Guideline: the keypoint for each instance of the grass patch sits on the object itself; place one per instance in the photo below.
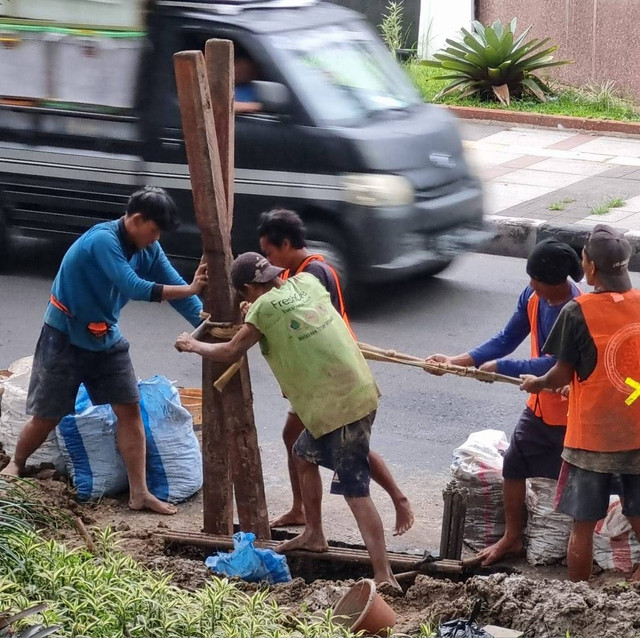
(604, 207)
(592, 101)
(561, 204)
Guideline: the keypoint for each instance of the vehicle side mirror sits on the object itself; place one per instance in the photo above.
(274, 97)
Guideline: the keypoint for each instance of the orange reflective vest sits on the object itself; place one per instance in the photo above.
(548, 406)
(604, 410)
(343, 311)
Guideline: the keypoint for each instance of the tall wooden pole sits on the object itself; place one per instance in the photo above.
(229, 439)
(246, 464)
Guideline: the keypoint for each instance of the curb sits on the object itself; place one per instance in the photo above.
(547, 121)
(516, 237)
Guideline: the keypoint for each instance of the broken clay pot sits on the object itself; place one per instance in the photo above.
(362, 608)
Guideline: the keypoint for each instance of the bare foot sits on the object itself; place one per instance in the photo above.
(389, 585)
(150, 502)
(315, 542)
(404, 516)
(292, 517)
(12, 469)
(503, 548)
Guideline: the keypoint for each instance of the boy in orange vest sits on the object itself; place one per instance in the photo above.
(536, 445)
(596, 341)
(283, 243)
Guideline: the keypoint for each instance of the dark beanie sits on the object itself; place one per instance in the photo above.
(552, 261)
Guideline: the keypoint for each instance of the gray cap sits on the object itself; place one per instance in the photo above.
(610, 251)
(252, 268)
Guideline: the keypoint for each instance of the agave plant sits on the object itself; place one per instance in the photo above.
(491, 62)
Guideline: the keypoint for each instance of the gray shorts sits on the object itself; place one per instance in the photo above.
(346, 452)
(60, 367)
(535, 449)
(584, 494)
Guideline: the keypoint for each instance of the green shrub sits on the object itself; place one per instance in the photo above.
(491, 63)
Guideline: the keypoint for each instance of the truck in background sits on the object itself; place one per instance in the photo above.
(89, 113)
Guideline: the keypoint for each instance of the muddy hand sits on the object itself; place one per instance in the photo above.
(245, 306)
(186, 343)
(530, 383)
(437, 358)
(200, 279)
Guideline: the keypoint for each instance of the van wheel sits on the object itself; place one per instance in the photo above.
(321, 242)
(438, 267)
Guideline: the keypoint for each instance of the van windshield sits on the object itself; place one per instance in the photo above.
(344, 73)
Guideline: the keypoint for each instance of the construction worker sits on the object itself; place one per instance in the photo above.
(80, 341)
(537, 441)
(596, 341)
(325, 377)
(282, 241)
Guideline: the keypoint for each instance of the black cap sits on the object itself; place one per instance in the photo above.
(610, 251)
(252, 268)
(552, 261)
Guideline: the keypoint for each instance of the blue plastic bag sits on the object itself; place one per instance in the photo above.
(249, 563)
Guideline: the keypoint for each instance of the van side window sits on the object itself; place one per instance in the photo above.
(246, 70)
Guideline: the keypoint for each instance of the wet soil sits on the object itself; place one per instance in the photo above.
(539, 601)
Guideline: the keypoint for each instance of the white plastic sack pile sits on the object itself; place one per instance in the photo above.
(174, 459)
(477, 466)
(13, 416)
(547, 531)
(615, 546)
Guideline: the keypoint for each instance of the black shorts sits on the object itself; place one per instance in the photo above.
(346, 452)
(60, 367)
(535, 449)
(584, 494)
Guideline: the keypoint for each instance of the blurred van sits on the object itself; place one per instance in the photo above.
(327, 124)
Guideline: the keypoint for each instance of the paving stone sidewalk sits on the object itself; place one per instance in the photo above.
(541, 181)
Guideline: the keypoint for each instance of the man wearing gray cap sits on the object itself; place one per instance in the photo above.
(596, 341)
(325, 377)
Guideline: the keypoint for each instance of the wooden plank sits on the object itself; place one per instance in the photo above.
(397, 560)
(210, 207)
(219, 62)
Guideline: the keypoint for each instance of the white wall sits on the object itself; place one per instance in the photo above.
(442, 19)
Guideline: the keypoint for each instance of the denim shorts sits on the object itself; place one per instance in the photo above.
(584, 494)
(60, 367)
(346, 452)
(535, 449)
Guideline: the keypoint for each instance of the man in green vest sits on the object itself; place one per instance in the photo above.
(325, 377)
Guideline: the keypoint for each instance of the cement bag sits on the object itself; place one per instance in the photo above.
(88, 443)
(174, 459)
(615, 546)
(477, 466)
(13, 416)
(547, 531)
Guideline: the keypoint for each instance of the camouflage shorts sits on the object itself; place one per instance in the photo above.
(346, 452)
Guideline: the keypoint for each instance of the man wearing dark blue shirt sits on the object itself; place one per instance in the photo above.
(81, 342)
(537, 442)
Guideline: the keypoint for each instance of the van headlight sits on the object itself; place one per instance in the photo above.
(380, 191)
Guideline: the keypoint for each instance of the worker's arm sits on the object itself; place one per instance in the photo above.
(558, 377)
(182, 291)
(229, 352)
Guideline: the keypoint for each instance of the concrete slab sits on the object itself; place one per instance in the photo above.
(528, 137)
(502, 632)
(612, 146)
(572, 166)
(501, 195)
(548, 179)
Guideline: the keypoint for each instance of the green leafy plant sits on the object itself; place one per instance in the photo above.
(561, 204)
(491, 62)
(392, 26)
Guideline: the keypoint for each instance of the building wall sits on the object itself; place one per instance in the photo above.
(601, 36)
(375, 9)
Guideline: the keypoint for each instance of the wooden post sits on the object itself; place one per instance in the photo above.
(228, 434)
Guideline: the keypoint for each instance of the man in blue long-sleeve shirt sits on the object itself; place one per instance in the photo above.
(537, 442)
(81, 342)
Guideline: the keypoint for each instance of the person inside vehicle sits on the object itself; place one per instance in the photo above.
(246, 72)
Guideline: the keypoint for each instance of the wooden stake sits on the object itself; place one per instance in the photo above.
(229, 439)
